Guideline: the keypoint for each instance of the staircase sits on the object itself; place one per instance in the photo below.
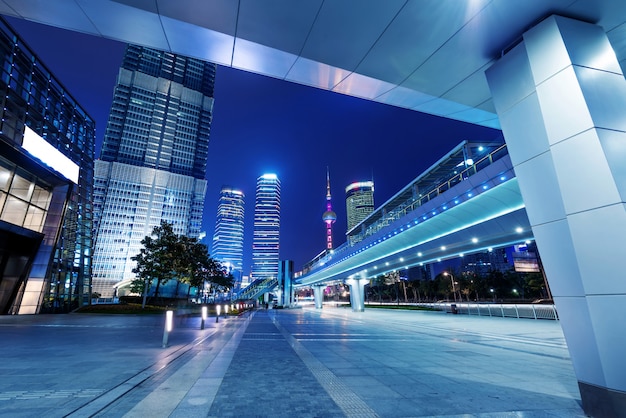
(257, 288)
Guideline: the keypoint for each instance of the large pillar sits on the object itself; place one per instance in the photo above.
(561, 99)
(285, 288)
(357, 293)
(318, 295)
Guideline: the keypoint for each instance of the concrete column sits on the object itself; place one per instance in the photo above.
(318, 295)
(561, 99)
(357, 293)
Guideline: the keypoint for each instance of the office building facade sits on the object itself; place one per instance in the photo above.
(153, 158)
(227, 244)
(359, 202)
(265, 242)
(46, 185)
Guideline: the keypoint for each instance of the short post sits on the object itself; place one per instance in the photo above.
(217, 309)
(204, 315)
(169, 320)
(225, 310)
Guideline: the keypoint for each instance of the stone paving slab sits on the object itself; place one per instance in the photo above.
(286, 363)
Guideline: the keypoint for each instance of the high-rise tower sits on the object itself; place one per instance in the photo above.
(359, 202)
(227, 245)
(329, 217)
(153, 158)
(265, 243)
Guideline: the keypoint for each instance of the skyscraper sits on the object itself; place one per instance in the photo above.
(153, 158)
(359, 202)
(46, 185)
(329, 217)
(265, 242)
(227, 245)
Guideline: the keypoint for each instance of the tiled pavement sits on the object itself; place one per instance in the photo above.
(286, 363)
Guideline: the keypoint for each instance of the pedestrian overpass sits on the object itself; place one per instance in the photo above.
(460, 205)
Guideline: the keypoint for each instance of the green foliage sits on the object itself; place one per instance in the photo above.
(166, 256)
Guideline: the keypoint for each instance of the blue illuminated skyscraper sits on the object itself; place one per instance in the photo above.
(227, 245)
(153, 158)
(265, 243)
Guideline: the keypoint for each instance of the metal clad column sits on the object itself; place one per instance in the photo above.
(561, 99)
(318, 295)
(357, 293)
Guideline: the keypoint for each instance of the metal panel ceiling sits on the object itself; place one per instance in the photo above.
(345, 31)
(258, 21)
(426, 55)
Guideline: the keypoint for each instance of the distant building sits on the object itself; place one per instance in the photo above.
(484, 262)
(265, 242)
(153, 158)
(46, 185)
(359, 202)
(227, 244)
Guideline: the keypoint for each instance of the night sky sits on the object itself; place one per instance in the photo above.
(262, 125)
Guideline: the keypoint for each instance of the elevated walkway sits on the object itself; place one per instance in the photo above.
(257, 288)
(454, 208)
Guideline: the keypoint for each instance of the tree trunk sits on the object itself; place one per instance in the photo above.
(146, 287)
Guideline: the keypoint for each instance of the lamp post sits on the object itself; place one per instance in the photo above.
(452, 281)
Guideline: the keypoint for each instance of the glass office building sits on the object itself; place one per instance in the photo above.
(359, 202)
(153, 160)
(265, 242)
(46, 185)
(227, 244)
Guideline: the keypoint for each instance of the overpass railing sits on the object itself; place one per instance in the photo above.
(504, 310)
(256, 288)
(413, 203)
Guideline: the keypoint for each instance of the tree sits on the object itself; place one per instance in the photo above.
(156, 260)
(198, 268)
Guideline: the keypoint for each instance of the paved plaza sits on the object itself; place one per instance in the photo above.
(286, 363)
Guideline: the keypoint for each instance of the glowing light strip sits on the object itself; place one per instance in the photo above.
(50, 156)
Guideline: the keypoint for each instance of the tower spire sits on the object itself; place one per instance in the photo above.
(329, 217)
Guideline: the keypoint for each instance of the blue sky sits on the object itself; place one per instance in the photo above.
(263, 125)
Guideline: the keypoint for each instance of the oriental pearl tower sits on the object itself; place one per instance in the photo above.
(329, 217)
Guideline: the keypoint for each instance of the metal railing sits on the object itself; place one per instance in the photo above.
(104, 301)
(257, 287)
(414, 203)
(503, 310)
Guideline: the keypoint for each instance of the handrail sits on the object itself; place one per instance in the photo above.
(249, 291)
(502, 310)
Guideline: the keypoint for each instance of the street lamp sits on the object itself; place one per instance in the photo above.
(451, 280)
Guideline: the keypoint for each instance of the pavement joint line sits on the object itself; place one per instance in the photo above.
(448, 331)
(222, 361)
(105, 399)
(348, 401)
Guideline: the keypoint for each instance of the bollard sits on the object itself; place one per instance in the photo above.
(217, 317)
(169, 319)
(204, 315)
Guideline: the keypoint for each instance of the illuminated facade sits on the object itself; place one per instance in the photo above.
(153, 158)
(46, 185)
(227, 245)
(265, 243)
(359, 202)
